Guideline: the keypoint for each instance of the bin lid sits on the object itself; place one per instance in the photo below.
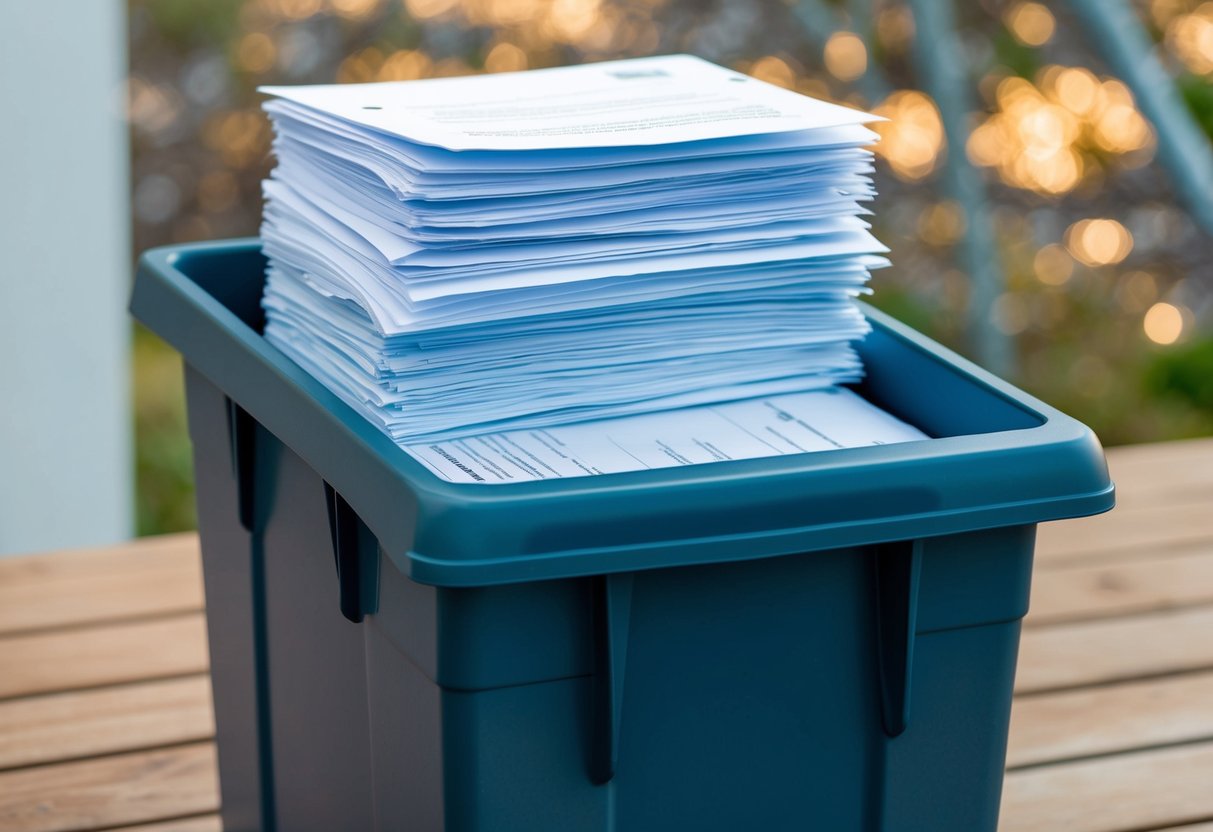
(999, 457)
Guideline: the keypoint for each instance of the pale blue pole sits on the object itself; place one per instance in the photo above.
(1183, 149)
(941, 64)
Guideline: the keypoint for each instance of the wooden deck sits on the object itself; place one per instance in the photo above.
(105, 717)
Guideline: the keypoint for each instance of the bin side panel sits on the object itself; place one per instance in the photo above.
(407, 616)
(945, 772)
(751, 697)
(517, 761)
(975, 578)
(316, 658)
(514, 634)
(232, 608)
(487, 637)
(406, 738)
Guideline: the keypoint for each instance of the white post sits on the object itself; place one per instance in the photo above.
(65, 429)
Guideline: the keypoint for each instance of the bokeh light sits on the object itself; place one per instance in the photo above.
(846, 58)
(1191, 38)
(257, 52)
(425, 9)
(1032, 24)
(942, 224)
(1163, 323)
(1099, 242)
(774, 70)
(1053, 265)
(505, 57)
(912, 138)
(1050, 136)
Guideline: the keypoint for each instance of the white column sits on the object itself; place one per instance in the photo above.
(65, 428)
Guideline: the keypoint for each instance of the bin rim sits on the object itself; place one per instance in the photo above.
(439, 532)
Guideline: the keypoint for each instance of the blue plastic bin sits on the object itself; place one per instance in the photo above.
(824, 641)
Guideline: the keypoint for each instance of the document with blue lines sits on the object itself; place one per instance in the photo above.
(816, 421)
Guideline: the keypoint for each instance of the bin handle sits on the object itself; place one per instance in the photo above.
(357, 568)
(897, 569)
(241, 436)
(612, 613)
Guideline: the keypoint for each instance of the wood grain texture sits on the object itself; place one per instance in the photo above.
(1111, 718)
(60, 660)
(110, 791)
(1135, 791)
(1164, 472)
(66, 726)
(1126, 533)
(206, 823)
(1108, 650)
(147, 577)
(1084, 591)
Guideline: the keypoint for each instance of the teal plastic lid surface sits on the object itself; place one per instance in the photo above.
(999, 457)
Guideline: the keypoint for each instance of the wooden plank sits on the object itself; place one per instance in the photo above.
(1093, 652)
(110, 791)
(205, 823)
(1138, 791)
(1199, 827)
(61, 660)
(147, 577)
(1125, 533)
(1078, 591)
(65, 726)
(1163, 472)
(1111, 718)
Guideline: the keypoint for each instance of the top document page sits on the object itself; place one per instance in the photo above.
(645, 101)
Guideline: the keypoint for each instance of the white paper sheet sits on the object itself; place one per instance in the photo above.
(668, 99)
(775, 426)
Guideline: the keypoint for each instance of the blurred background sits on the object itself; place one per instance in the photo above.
(1045, 176)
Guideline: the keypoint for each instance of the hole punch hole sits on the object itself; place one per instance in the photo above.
(372, 108)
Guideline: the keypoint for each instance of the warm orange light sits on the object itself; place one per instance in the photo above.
(1163, 323)
(571, 20)
(1190, 36)
(360, 67)
(846, 58)
(912, 139)
(256, 52)
(1040, 136)
(425, 9)
(1162, 11)
(942, 224)
(1076, 89)
(404, 65)
(291, 9)
(508, 12)
(505, 57)
(354, 9)
(1099, 242)
(1052, 265)
(1032, 24)
(774, 70)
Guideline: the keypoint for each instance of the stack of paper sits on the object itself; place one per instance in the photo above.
(518, 251)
